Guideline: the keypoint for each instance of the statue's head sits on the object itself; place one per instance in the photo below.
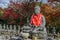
(36, 9)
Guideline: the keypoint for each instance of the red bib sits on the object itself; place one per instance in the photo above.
(36, 20)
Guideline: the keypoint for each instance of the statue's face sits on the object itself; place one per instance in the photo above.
(36, 9)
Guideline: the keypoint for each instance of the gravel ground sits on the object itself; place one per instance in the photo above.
(49, 38)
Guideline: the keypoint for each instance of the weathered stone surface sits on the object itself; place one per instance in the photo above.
(40, 31)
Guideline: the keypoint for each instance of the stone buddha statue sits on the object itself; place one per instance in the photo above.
(36, 24)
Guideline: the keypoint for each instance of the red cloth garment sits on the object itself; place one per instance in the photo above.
(36, 19)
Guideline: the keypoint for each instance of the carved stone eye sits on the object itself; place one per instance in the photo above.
(36, 0)
(31, 0)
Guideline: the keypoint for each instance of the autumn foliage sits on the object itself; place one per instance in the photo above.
(18, 13)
